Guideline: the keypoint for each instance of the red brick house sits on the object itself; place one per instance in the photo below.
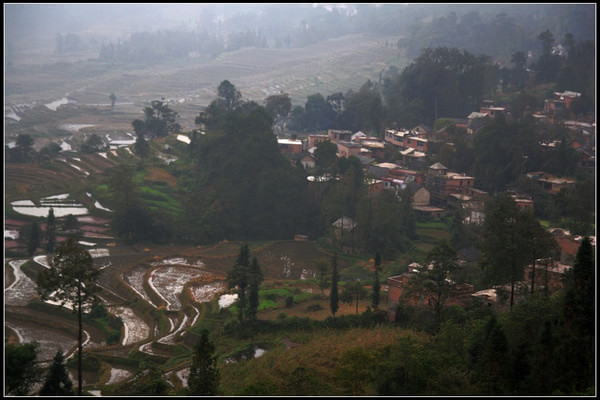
(397, 292)
(348, 149)
(337, 136)
(313, 140)
(290, 146)
(441, 184)
(548, 272)
(551, 183)
(568, 244)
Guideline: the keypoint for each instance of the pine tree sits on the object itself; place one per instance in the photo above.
(238, 278)
(57, 381)
(577, 336)
(204, 375)
(255, 277)
(34, 238)
(71, 279)
(50, 231)
(334, 296)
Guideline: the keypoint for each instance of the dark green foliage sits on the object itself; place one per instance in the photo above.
(93, 144)
(239, 278)
(241, 185)
(229, 96)
(489, 358)
(385, 224)
(356, 370)
(159, 120)
(333, 294)
(255, 277)
(57, 381)
(123, 187)
(437, 283)
(50, 231)
(506, 228)
(71, 279)
(353, 291)
(578, 330)
(325, 157)
(446, 81)
(305, 381)
(149, 381)
(405, 369)
(70, 223)
(23, 150)
(204, 374)
(363, 110)
(318, 114)
(502, 149)
(376, 283)
(49, 151)
(289, 301)
(32, 235)
(278, 105)
(21, 371)
(139, 224)
(142, 148)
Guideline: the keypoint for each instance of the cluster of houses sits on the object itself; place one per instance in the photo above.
(435, 189)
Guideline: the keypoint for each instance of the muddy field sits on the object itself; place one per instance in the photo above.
(80, 89)
(158, 276)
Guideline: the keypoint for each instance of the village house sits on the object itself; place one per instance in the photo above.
(551, 183)
(548, 275)
(380, 170)
(313, 140)
(441, 183)
(412, 158)
(288, 146)
(568, 243)
(398, 292)
(475, 122)
(492, 111)
(561, 101)
(337, 136)
(308, 161)
(374, 146)
(407, 175)
(348, 149)
(523, 201)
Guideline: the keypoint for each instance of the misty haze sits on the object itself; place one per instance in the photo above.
(310, 199)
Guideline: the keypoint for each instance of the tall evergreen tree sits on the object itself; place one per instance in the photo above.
(376, 283)
(34, 239)
(71, 279)
(204, 374)
(505, 231)
(578, 324)
(255, 277)
(238, 278)
(50, 231)
(334, 295)
(57, 381)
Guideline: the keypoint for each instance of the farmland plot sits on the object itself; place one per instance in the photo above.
(168, 282)
(135, 329)
(135, 278)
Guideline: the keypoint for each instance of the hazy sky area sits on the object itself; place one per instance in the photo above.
(274, 33)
